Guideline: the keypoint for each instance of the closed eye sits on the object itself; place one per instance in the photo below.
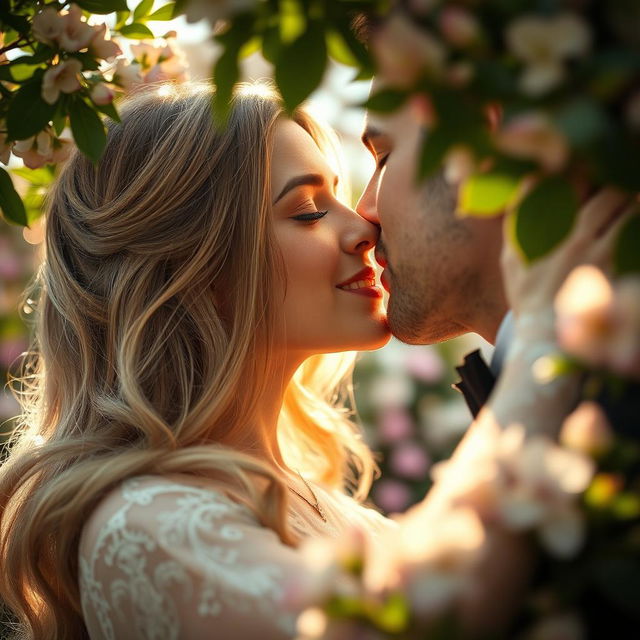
(311, 216)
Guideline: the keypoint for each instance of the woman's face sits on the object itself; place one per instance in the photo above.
(333, 301)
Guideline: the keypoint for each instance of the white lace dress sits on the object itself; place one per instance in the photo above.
(162, 559)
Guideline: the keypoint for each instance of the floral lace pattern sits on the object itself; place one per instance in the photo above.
(165, 560)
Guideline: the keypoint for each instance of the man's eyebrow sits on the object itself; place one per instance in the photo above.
(369, 134)
(312, 179)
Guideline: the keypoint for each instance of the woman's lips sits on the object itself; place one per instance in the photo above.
(370, 292)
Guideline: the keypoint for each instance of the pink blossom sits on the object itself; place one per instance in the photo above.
(532, 135)
(395, 424)
(425, 364)
(459, 26)
(35, 151)
(126, 74)
(526, 482)
(391, 495)
(48, 26)
(101, 45)
(430, 559)
(77, 33)
(587, 430)
(101, 94)
(42, 149)
(409, 460)
(404, 52)
(61, 77)
(599, 323)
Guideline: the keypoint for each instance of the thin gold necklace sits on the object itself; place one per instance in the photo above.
(316, 506)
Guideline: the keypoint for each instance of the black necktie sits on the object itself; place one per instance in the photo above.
(476, 381)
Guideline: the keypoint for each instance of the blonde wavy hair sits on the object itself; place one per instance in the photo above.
(155, 318)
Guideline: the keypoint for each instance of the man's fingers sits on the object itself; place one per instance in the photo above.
(605, 245)
(598, 213)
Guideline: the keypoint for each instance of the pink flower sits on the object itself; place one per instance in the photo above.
(61, 77)
(526, 482)
(425, 364)
(48, 26)
(430, 559)
(101, 45)
(459, 26)
(77, 34)
(395, 424)
(532, 135)
(587, 430)
(391, 495)
(34, 151)
(404, 52)
(598, 323)
(409, 460)
(101, 94)
(42, 149)
(126, 74)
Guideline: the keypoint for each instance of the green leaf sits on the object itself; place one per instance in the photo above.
(386, 101)
(292, 21)
(88, 130)
(109, 110)
(22, 72)
(41, 177)
(627, 253)
(225, 75)
(121, 19)
(137, 31)
(301, 65)
(143, 9)
(166, 12)
(89, 62)
(60, 117)
(435, 144)
(338, 49)
(103, 6)
(271, 44)
(582, 121)
(487, 194)
(545, 216)
(28, 113)
(10, 202)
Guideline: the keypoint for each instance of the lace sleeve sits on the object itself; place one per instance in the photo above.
(163, 560)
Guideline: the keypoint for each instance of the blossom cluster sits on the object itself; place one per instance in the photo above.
(430, 562)
(72, 40)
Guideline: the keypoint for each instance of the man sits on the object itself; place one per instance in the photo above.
(443, 272)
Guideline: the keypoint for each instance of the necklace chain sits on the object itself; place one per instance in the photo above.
(315, 506)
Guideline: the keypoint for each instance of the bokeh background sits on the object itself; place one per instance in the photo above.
(411, 415)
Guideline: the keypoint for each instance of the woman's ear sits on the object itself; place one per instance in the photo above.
(493, 113)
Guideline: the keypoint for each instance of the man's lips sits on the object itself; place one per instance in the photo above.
(384, 280)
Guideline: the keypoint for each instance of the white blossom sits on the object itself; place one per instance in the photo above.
(62, 77)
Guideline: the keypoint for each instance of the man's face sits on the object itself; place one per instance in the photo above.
(442, 271)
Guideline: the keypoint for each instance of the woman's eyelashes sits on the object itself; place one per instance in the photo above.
(311, 216)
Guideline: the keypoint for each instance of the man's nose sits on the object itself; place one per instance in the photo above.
(367, 206)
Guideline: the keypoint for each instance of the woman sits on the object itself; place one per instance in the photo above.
(184, 427)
